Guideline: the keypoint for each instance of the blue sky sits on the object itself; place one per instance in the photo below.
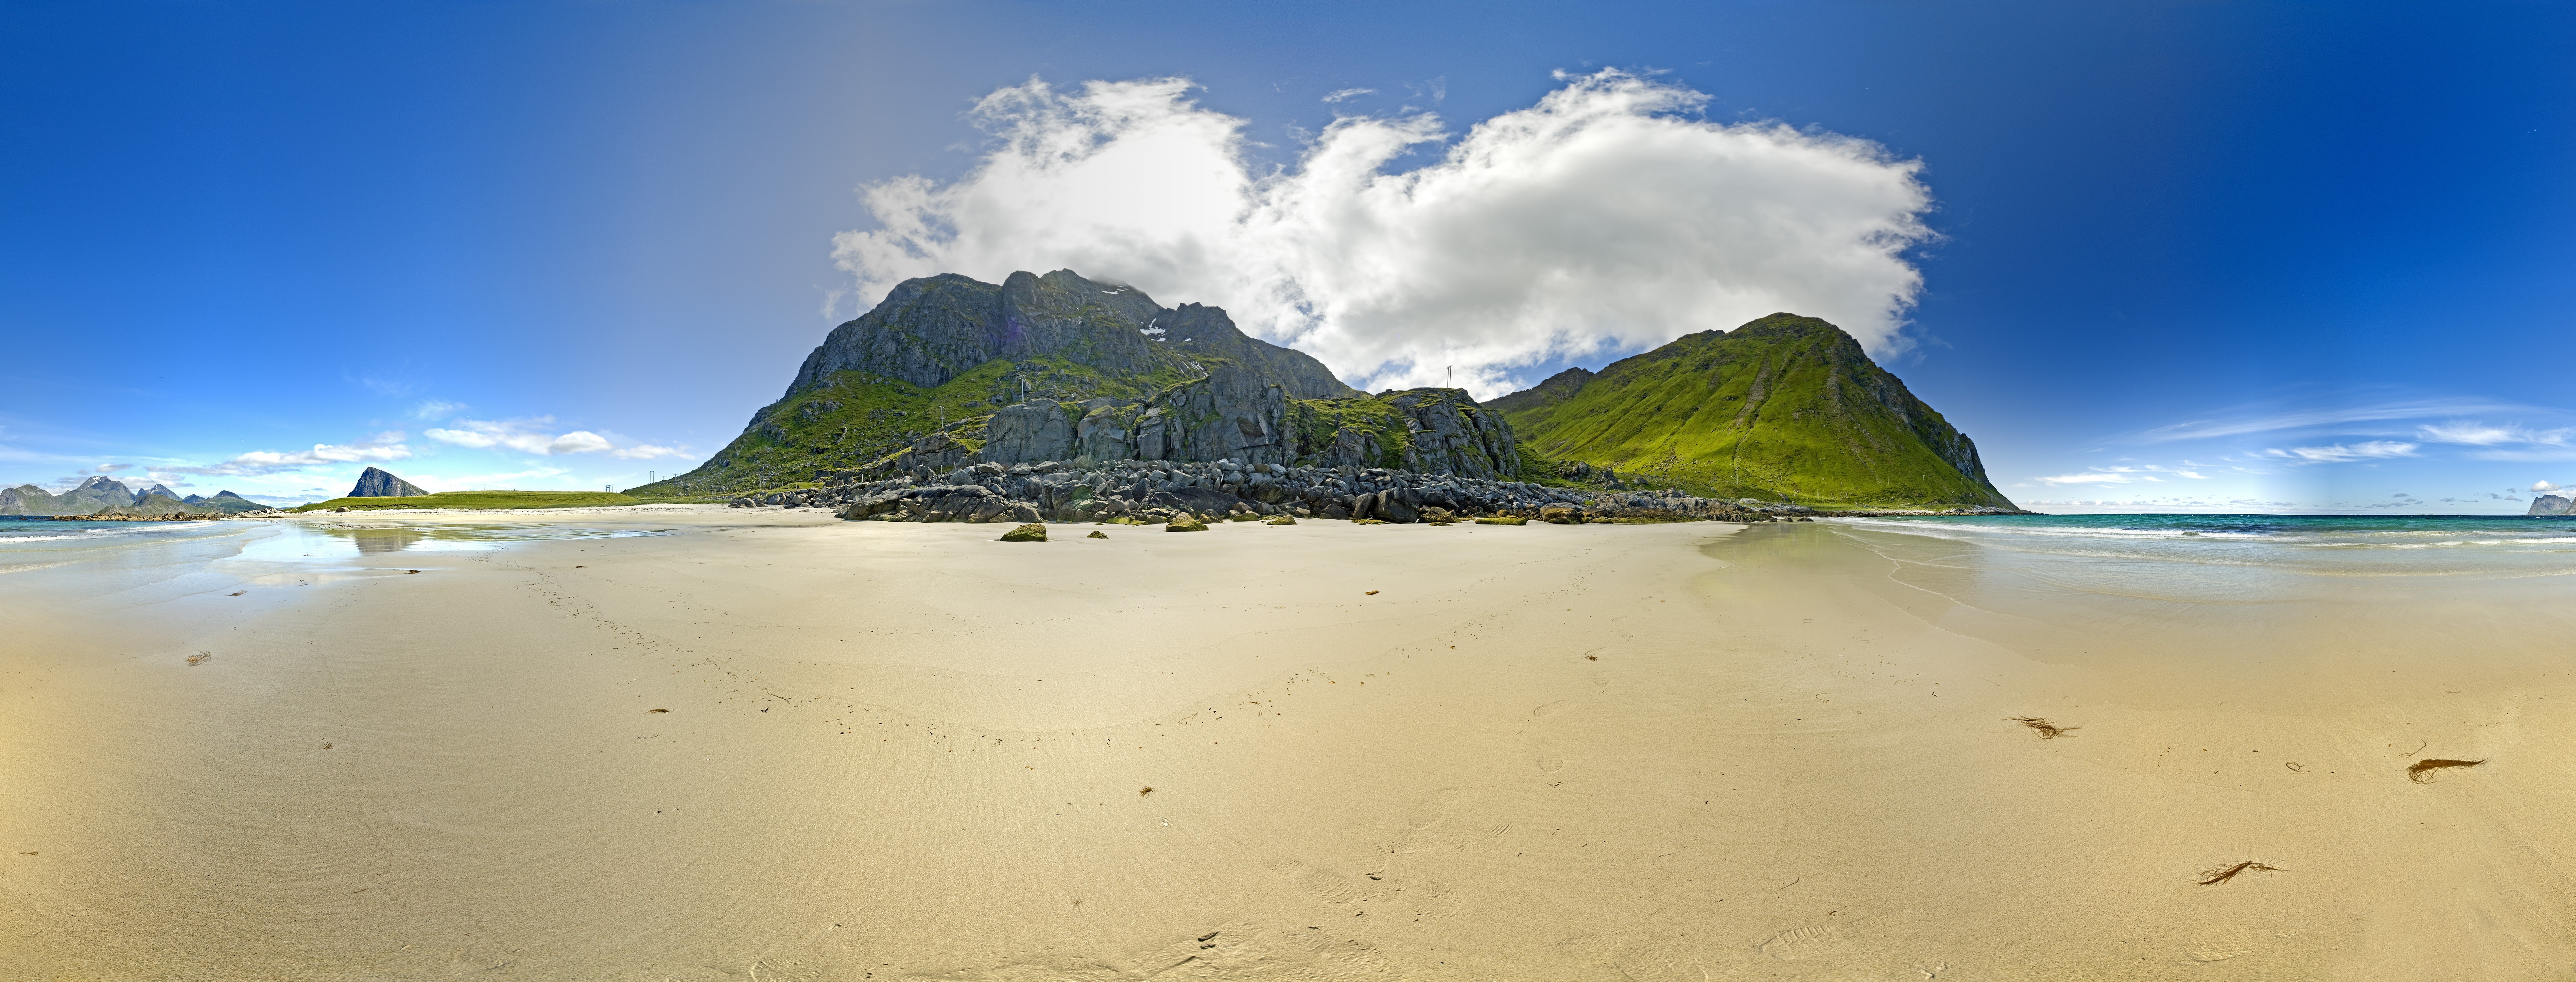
(2222, 256)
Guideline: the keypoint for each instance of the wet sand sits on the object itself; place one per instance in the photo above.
(1597, 752)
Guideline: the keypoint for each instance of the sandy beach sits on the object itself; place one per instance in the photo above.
(708, 743)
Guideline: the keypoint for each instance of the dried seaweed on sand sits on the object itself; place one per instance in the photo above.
(2226, 873)
(2045, 729)
(2421, 772)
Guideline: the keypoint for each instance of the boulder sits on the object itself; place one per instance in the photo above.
(1031, 532)
(1097, 534)
(1282, 520)
(1396, 506)
(1559, 515)
(1502, 520)
(1368, 521)
(1185, 523)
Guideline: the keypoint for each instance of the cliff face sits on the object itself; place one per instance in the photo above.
(2550, 504)
(1783, 408)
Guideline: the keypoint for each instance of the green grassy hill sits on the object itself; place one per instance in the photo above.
(1785, 408)
(485, 500)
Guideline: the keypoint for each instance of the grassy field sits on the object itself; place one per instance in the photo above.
(490, 500)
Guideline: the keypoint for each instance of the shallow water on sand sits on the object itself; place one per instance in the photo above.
(2295, 615)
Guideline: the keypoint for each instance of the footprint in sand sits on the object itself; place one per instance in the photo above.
(1637, 957)
(1432, 809)
(1799, 944)
(1550, 758)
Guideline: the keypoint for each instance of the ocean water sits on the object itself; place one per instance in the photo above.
(33, 545)
(2342, 545)
(2305, 612)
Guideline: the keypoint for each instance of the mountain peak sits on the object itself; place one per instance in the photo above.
(378, 483)
(1785, 407)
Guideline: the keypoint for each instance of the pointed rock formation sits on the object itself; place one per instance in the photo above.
(377, 483)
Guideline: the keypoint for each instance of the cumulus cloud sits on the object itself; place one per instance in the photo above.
(377, 449)
(2543, 487)
(533, 437)
(1608, 217)
(2339, 453)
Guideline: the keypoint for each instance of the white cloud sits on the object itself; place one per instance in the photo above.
(1340, 95)
(518, 435)
(1607, 217)
(377, 449)
(2338, 453)
(2543, 487)
(533, 437)
(436, 409)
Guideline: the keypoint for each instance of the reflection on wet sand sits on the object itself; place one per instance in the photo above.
(372, 540)
(376, 539)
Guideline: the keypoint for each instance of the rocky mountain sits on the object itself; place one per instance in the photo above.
(1784, 408)
(951, 371)
(2550, 504)
(93, 495)
(28, 499)
(377, 483)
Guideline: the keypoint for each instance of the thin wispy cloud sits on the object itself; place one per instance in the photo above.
(2339, 453)
(2482, 435)
(1344, 95)
(436, 409)
(2252, 420)
(1610, 216)
(2121, 474)
(465, 482)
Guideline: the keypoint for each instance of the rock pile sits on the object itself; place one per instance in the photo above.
(1137, 491)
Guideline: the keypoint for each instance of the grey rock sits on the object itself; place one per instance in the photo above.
(376, 483)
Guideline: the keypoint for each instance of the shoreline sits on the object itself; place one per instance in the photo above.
(1667, 751)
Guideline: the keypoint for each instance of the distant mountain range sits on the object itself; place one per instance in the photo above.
(2550, 504)
(106, 496)
(950, 371)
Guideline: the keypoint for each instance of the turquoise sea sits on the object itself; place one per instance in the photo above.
(2410, 545)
